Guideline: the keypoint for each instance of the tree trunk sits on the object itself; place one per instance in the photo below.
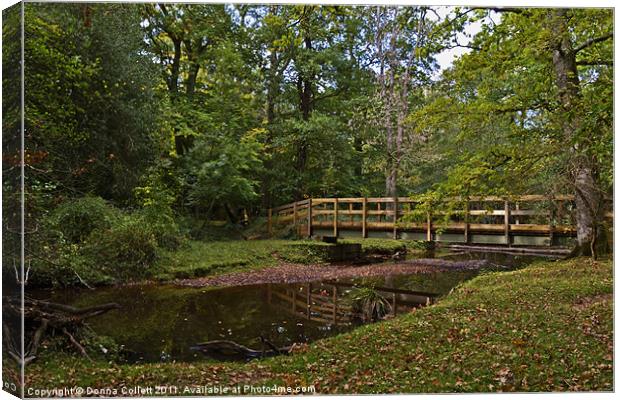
(587, 202)
(304, 89)
(587, 196)
(173, 79)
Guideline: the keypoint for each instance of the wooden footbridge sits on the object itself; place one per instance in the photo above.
(518, 220)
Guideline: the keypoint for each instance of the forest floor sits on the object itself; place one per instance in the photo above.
(294, 273)
(198, 259)
(546, 327)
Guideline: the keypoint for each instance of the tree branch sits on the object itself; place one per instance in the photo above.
(516, 10)
(595, 62)
(592, 41)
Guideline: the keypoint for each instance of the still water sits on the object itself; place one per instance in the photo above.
(162, 322)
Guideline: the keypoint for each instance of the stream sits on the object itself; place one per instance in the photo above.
(161, 322)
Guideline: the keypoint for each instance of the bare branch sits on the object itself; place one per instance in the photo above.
(516, 10)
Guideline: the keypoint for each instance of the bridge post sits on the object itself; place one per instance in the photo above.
(364, 233)
(466, 233)
(310, 217)
(551, 214)
(336, 217)
(295, 215)
(429, 234)
(507, 222)
(395, 229)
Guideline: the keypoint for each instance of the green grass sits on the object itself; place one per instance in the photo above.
(546, 327)
(202, 258)
(197, 258)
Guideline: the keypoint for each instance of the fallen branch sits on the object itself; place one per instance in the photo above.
(44, 315)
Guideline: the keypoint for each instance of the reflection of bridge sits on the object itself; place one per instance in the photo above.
(517, 220)
(325, 303)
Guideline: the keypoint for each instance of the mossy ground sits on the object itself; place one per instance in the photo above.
(546, 327)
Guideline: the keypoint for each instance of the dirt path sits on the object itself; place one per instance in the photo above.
(293, 273)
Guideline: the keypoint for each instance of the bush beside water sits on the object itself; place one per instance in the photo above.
(87, 241)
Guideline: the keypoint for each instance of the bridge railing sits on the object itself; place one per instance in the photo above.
(500, 216)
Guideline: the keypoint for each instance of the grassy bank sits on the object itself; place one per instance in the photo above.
(546, 327)
(199, 258)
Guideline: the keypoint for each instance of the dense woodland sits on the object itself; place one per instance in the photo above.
(143, 122)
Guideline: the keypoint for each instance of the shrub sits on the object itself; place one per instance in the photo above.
(127, 250)
(162, 225)
(75, 220)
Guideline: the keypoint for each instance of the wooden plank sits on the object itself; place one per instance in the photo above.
(350, 199)
(316, 202)
(498, 229)
(410, 200)
(527, 212)
(380, 199)
(295, 214)
(290, 205)
(364, 233)
(512, 212)
(487, 212)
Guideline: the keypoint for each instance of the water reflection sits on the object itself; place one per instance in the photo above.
(162, 322)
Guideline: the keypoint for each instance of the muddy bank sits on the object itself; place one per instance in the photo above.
(294, 273)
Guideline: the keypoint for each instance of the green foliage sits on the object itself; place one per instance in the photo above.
(497, 114)
(74, 220)
(126, 251)
(87, 241)
(90, 109)
(223, 173)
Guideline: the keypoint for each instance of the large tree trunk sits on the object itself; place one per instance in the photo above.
(587, 196)
(587, 201)
(304, 89)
